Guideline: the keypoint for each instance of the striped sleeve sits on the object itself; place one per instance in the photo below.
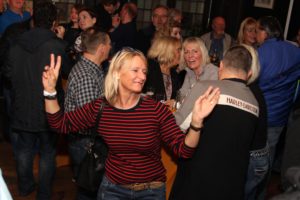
(74, 121)
(171, 133)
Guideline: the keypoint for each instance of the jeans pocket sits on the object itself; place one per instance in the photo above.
(262, 167)
(158, 193)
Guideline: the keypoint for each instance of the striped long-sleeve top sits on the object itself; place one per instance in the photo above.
(133, 136)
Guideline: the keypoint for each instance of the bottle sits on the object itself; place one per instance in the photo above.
(213, 56)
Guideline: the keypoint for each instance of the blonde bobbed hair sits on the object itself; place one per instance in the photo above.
(200, 44)
(246, 22)
(163, 49)
(255, 66)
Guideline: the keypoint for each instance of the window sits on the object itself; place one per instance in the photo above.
(192, 16)
(63, 9)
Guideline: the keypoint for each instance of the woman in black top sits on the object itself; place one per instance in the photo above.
(162, 78)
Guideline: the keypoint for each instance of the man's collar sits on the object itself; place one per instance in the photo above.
(236, 80)
(17, 13)
(212, 36)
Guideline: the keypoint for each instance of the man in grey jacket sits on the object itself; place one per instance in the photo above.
(217, 41)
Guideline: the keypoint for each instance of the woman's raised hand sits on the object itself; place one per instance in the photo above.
(51, 73)
(204, 105)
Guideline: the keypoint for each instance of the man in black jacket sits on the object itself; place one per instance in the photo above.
(25, 63)
(124, 32)
(10, 34)
(105, 10)
(159, 19)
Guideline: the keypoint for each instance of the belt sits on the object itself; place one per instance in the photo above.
(143, 186)
(260, 152)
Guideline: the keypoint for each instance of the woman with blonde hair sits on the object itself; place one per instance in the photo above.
(197, 64)
(174, 15)
(173, 29)
(247, 34)
(259, 160)
(132, 125)
(162, 78)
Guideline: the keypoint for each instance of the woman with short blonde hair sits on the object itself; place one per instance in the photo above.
(162, 78)
(162, 49)
(197, 64)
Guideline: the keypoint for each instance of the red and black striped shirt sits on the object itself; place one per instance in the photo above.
(133, 136)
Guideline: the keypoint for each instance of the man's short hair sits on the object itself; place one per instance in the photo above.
(131, 9)
(44, 14)
(109, 2)
(272, 27)
(92, 38)
(238, 58)
(160, 6)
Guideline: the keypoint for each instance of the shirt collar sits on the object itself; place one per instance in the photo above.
(84, 59)
(236, 80)
(212, 36)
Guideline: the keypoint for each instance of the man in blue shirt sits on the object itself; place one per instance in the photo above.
(280, 70)
(13, 14)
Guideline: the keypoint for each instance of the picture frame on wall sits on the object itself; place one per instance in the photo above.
(264, 3)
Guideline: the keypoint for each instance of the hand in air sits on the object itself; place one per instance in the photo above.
(204, 105)
(51, 73)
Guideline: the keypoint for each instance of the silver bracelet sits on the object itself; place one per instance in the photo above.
(49, 93)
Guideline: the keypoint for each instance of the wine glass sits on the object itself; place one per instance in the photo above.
(160, 97)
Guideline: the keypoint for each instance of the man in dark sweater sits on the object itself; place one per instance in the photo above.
(124, 33)
(25, 63)
(218, 168)
(105, 10)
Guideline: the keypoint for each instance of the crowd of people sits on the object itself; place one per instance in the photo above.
(219, 104)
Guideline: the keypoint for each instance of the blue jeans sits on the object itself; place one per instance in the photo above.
(259, 162)
(111, 191)
(273, 138)
(26, 148)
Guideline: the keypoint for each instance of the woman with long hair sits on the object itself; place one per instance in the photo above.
(132, 125)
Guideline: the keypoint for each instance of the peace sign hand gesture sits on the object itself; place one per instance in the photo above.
(50, 74)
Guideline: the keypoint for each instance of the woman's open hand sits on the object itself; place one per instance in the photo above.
(51, 73)
(204, 105)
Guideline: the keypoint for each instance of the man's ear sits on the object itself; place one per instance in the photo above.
(249, 74)
(53, 25)
(99, 50)
(221, 65)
